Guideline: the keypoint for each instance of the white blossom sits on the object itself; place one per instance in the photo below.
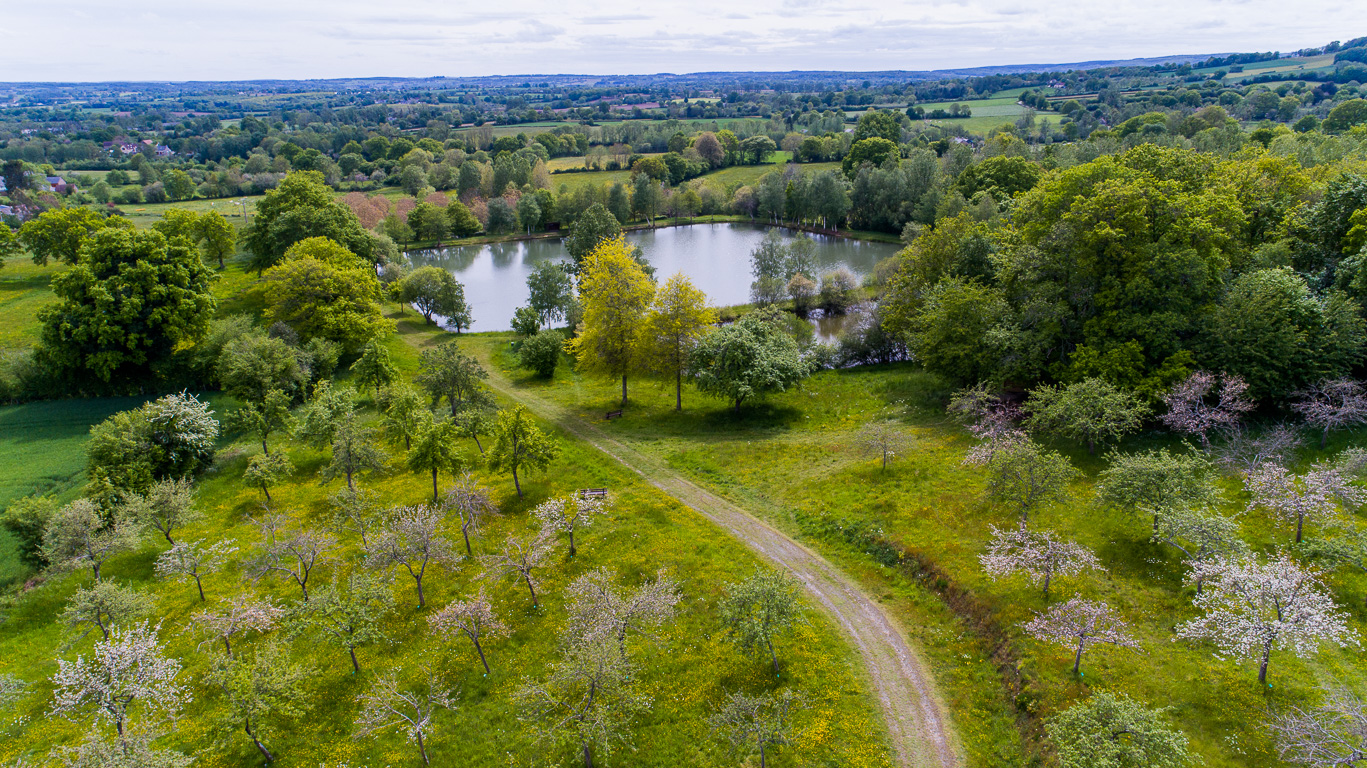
(1040, 556)
(1190, 409)
(1332, 404)
(1317, 495)
(1330, 735)
(1253, 608)
(1081, 624)
(565, 514)
(411, 538)
(129, 667)
(386, 706)
(239, 614)
(190, 560)
(519, 557)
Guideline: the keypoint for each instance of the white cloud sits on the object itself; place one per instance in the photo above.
(176, 40)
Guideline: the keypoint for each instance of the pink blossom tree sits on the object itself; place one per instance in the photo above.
(240, 614)
(566, 514)
(130, 667)
(1081, 624)
(1041, 556)
(1191, 410)
(520, 557)
(1332, 404)
(474, 618)
(1253, 608)
(1317, 495)
(412, 539)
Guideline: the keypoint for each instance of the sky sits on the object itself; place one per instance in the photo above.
(98, 40)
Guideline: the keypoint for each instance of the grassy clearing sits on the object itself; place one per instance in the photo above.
(793, 459)
(24, 289)
(686, 670)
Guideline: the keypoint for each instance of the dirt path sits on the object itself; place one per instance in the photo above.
(917, 726)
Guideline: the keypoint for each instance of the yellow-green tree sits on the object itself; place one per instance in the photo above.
(615, 293)
(678, 317)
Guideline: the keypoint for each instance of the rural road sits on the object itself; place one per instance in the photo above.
(919, 730)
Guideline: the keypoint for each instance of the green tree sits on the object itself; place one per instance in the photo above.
(179, 185)
(320, 300)
(1025, 476)
(594, 226)
(1346, 115)
(25, 519)
(428, 221)
(59, 233)
(350, 613)
(374, 368)
(216, 236)
(1280, 337)
(302, 206)
(170, 437)
(756, 723)
(353, 451)
(434, 291)
(541, 352)
(1002, 177)
(434, 450)
(878, 123)
(874, 151)
(447, 372)
(761, 609)
(1112, 730)
(402, 414)
(125, 307)
(751, 358)
(519, 445)
(461, 222)
(550, 290)
(679, 316)
(529, 213)
(1153, 481)
(263, 693)
(264, 417)
(267, 469)
(616, 294)
(1089, 411)
(254, 364)
(9, 243)
(526, 322)
(756, 149)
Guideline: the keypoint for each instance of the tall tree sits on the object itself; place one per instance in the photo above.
(301, 207)
(1112, 730)
(267, 469)
(751, 358)
(520, 557)
(412, 538)
(1152, 481)
(1091, 411)
(1317, 495)
(472, 503)
(1252, 608)
(239, 613)
(386, 706)
(167, 506)
(1081, 624)
(293, 552)
(375, 368)
(124, 307)
(594, 226)
(679, 316)
(102, 606)
(78, 536)
(1041, 556)
(519, 445)
(59, 233)
(1191, 410)
(1329, 735)
(616, 295)
(445, 371)
(474, 618)
(568, 513)
(348, 613)
(760, 609)
(265, 417)
(550, 290)
(263, 692)
(129, 667)
(434, 451)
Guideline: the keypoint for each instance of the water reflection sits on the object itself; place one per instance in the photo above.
(716, 257)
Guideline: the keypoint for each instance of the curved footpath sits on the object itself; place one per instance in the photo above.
(917, 726)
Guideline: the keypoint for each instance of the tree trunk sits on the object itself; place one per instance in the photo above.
(407, 442)
(1262, 667)
(266, 753)
(624, 389)
(355, 665)
(466, 533)
(1300, 523)
(572, 550)
(588, 756)
(516, 484)
(350, 483)
(95, 566)
(477, 445)
(772, 657)
(265, 488)
(1077, 660)
(480, 650)
(167, 534)
(422, 749)
(528, 578)
(738, 404)
(264, 447)
(1324, 438)
(678, 390)
(227, 646)
(200, 585)
(1047, 578)
(422, 603)
(762, 763)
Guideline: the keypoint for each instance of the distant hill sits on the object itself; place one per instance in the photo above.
(721, 79)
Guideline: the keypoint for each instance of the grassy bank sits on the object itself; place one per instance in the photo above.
(913, 533)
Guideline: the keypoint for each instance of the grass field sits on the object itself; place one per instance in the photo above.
(685, 670)
(794, 459)
(995, 112)
(24, 289)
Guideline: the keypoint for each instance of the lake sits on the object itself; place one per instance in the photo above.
(716, 257)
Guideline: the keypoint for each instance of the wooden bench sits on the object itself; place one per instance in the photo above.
(617, 414)
(593, 493)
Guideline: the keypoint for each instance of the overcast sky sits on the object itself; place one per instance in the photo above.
(240, 39)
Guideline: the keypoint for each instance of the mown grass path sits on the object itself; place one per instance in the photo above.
(917, 726)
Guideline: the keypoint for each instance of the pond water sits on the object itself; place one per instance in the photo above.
(716, 257)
